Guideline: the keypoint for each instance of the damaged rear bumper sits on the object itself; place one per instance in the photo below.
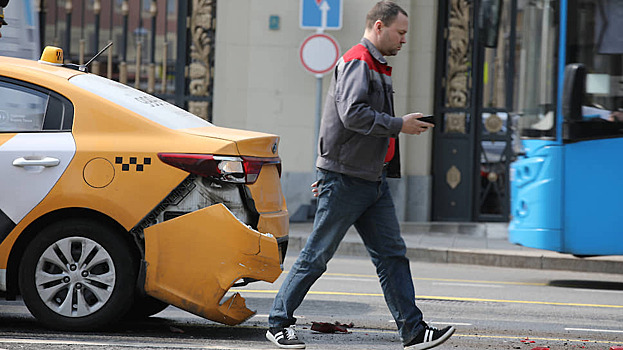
(193, 260)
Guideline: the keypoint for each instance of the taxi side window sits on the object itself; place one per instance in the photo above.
(29, 108)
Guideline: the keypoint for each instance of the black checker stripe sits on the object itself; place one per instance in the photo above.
(133, 163)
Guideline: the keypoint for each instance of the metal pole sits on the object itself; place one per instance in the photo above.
(183, 33)
(318, 116)
(139, 47)
(56, 20)
(110, 52)
(151, 77)
(97, 6)
(42, 16)
(123, 67)
(318, 101)
(82, 39)
(68, 9)
(165, 48)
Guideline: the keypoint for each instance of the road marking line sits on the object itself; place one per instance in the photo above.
(594, 330)
(443, 323)
(457, 284)
(340, 278)
(146, 345)
(597, 290)
(452, 323)
(507, 337)
(535, 338)
(142, 344)
(428, 297)
(438, 279)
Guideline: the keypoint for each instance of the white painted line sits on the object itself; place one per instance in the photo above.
(455, 284)
(352, 279)
(142, 345)
(443, 323)
(452, 323)
(598, 291)
(594, 330)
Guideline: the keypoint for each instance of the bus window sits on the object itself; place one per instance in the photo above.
(593, 40)
(600, 50)
(535, 76)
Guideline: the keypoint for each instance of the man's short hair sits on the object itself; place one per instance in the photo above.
(385, 11)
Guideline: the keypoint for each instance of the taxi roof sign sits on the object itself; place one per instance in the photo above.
(52, 55)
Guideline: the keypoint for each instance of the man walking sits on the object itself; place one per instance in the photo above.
(357, 150)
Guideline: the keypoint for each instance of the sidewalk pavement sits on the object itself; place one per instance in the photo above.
(467, 243)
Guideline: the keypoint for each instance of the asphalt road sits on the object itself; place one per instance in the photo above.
(492, 308)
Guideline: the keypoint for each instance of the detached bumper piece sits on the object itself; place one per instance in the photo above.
(194, 259)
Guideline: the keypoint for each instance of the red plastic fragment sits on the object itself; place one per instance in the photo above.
(527, 341)
(324, 327)
(540, 348)
(616, 348)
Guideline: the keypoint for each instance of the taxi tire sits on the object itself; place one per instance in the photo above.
(144, 306)
(125, 265)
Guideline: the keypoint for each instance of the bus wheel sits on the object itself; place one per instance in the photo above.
(77, 275)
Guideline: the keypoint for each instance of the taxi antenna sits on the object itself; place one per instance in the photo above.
(83, 68)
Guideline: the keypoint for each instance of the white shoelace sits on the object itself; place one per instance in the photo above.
(290, 333)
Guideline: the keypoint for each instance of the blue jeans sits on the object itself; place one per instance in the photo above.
(345, 201)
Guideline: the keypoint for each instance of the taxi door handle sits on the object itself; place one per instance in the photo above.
(46, 162)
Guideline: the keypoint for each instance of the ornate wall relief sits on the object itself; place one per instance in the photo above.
(201, 69)
(455, 123)
(457, 76)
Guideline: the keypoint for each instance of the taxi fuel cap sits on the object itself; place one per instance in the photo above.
(52, 55)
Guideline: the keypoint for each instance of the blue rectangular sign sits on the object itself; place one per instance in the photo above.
(312, 14)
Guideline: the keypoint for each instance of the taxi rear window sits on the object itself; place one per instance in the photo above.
(144, 104)
(26, 107)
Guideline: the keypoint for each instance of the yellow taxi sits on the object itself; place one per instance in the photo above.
(114, 203)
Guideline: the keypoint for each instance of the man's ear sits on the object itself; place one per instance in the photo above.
(377, 26)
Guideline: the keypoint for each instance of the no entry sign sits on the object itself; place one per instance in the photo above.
(319, 53)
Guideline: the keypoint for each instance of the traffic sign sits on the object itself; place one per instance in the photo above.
(319, 53)
(321, 14)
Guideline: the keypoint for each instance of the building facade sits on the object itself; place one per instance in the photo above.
(236, 63)
(260, 84)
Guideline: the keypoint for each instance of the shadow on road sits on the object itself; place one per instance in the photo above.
(586, 284)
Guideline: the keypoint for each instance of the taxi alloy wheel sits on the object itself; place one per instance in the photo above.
(77, 275)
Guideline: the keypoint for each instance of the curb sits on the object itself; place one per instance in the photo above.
(540, 260)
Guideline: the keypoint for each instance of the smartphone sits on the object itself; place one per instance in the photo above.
(428, 119)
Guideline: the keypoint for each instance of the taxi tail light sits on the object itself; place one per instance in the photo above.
(233, 169)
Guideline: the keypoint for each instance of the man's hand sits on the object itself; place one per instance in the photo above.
(412, 125)
(315, 188)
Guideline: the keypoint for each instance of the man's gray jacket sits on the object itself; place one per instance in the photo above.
(358, 117)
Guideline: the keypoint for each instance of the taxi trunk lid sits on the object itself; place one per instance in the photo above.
(249, 143)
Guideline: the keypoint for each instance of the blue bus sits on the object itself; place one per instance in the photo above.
(567, 178)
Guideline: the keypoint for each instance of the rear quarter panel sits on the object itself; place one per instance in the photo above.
(110, 137)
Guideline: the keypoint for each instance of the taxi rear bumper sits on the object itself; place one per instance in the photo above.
(194, 259)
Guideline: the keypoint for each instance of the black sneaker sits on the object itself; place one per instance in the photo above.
(429, 338)
(285, 338)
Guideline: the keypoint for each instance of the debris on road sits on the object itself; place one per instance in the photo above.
(325, 327)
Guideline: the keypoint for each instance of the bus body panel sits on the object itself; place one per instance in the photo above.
(593, 196)
(536, 197)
